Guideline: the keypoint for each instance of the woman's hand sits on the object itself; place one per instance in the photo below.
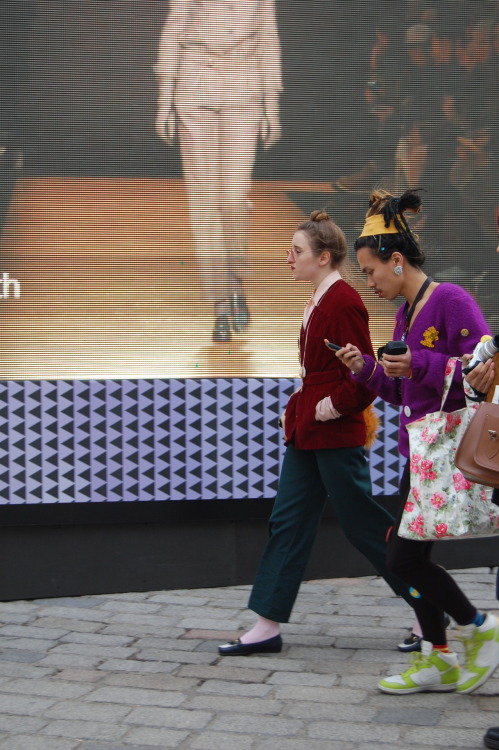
(166, 117)
(397, 365)
(166, 123)
(350, 356)
(482, 376)
(270, 127)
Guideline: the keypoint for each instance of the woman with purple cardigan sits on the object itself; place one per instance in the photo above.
(438, 321)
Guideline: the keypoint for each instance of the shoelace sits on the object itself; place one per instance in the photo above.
(418, 661)
(470, 649)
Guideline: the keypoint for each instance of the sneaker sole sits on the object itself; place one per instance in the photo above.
(483, 678)
(423, 689)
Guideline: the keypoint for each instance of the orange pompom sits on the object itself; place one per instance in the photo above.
(372, 426)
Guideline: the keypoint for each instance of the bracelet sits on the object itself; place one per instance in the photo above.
(374, 370)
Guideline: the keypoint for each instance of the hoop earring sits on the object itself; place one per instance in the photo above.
(398, 270)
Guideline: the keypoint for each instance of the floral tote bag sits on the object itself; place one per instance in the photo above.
(442, 504)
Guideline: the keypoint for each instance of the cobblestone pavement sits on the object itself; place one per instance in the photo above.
(138, 671)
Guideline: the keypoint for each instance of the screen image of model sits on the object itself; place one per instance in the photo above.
(158, 155)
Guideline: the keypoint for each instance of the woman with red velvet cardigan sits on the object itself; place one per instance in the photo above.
(325, 435)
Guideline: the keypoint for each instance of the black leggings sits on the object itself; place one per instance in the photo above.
(410, 561)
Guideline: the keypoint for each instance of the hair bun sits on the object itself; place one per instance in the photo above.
(319, 215)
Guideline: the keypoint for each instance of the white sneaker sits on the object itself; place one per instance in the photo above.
(481, 652)
(431, 670)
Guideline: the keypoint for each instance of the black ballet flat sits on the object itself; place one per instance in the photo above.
(236, 648)
(221, 331)
(240, 316)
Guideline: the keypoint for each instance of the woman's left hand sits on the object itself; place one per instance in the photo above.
(482, 376)
(397, 365)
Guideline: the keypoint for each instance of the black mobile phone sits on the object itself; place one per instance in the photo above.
(335, 347)
(396, 347)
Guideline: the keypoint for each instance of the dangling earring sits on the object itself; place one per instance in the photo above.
(398, 270)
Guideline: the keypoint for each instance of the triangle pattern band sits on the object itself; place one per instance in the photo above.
(156, 440)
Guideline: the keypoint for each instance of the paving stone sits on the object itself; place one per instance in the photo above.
(46, 687)
(72, 611)
(79, 675)
(312, 711)
(328, 695)
(117, 605)
(284, 743)
(106, 713)
(170, 597)
(303, 678)
(418, 716)
(158, 738)
(68, 624)
(84, 730)
(24, 670)
(136, 630)
(172, 718)
(63, 660)
(15, 725)
(155, 681)
(229, 688)
(28, 742)
(124, 665)
(187, 657)
(136, 696)
(352, 732)
(204, 623)
(222, 671)
(447, 737)
(98, 639)
(165, 644)
(221, 703)
(28, 657)
(222, 741)
(24, 705)
(85, 602)
(265, 725)
(88, 649)
(28, 631)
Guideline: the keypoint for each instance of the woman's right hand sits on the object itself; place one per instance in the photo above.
(351, 357)
(165, 122)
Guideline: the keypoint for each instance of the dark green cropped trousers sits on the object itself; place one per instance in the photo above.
(308, 479)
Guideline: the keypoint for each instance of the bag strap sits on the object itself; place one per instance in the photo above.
(450, 369)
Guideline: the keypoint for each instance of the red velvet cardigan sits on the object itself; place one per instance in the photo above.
(342, 318)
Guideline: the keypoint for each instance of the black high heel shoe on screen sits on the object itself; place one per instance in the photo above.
(240, 316)
(221, 330)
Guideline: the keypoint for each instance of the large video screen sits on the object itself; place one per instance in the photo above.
(156, 158)
(113, 261)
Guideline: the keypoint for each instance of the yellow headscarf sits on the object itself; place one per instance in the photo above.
(375, 224)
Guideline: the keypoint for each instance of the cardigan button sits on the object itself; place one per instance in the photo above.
(407, 411)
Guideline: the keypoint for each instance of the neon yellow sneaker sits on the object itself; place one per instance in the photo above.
(481, 652)
(432, 671)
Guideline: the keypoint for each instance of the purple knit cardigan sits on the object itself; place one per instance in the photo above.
(449, 325)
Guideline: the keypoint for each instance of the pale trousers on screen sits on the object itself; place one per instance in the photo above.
(218, 148)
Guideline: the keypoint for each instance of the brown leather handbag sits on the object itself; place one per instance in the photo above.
(477, 455)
